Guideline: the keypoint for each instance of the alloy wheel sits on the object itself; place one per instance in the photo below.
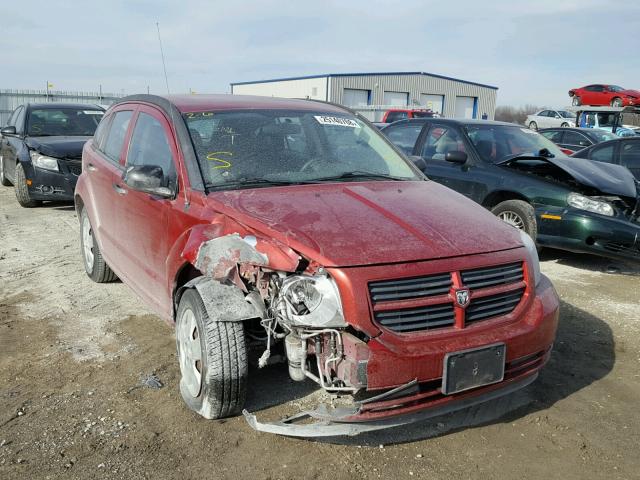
(87, 244)
(512, 218)
(190, 352)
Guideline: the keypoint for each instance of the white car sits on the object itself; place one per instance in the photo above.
(550, 118)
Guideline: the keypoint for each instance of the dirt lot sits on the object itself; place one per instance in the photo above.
(74, 354)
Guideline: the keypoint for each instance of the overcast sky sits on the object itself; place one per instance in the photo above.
(534, 51)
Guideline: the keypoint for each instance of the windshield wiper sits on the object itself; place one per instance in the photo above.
(248, 183)
(358, 175)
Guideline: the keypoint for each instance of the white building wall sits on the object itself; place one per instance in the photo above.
(313, 88)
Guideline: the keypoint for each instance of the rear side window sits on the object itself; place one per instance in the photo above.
(98, 137)
(554, 135)
(117, 133)
(630, 157)
(404, 136)
(150, 146)
(395, 116)
(603, 154)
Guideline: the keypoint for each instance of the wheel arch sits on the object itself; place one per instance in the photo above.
(499, 196)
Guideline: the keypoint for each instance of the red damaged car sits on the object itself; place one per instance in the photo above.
(295, 224)
(604, 95)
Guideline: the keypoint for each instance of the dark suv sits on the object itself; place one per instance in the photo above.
(523, 178)
(41, 147)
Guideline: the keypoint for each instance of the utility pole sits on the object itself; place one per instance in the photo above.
(100, 97)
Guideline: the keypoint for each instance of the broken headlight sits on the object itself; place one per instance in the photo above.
(44, 162)
(530, 245)
(312, 301)
(590, 205)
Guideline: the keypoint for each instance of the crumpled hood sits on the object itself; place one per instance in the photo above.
(633, 93)
(365, 223)
(606, 177)
(58, 147)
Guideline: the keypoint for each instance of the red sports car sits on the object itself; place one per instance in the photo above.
(598, 94)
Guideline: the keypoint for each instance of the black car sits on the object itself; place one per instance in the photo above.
(562, 202)
(41, 149)
(575, 139)
(621, 151)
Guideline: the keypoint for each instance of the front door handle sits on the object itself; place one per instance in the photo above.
(91, 167)
(119, 190)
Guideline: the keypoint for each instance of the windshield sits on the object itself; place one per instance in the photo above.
(615, 88)
(565, 114)
(63, 121)
(498, 142)
(290, 147)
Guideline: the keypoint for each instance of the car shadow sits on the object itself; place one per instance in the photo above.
(592, 263)
(61, 206)
(584, 352)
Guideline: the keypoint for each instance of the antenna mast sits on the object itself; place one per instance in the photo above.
(166, 79)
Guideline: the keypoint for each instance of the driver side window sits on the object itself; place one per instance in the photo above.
(150, 146)
(440, 141)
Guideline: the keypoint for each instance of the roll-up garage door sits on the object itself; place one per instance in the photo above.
(355, 98)
(396, 98)
(432, 102)
(465, 107)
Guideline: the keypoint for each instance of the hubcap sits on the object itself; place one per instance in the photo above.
(87, 244)
(533, 126)
(512, 219)
(1, 168)
(575, 100)
(190, 352)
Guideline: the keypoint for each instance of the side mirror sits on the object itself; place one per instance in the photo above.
(419, 162)
(147, 179)
(11, 130)
(456, 156)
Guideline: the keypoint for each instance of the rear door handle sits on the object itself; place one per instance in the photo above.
(119, 190)
(91, 167)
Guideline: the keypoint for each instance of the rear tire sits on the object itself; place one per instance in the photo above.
(95, 266)
(518, 214)
(577, 101)
(213, 360)
(533, 126)
(22, 192)
(3, 179)
(616, 102)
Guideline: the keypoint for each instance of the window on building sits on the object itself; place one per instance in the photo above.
(353, 97)
(396, 98)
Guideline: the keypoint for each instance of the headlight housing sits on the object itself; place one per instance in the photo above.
(312, 301)
(590, 205)
(530, 245)
(44, 162)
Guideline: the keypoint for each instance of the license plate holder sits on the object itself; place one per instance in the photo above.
(476, 367)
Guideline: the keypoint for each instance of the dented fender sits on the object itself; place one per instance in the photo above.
(217, 256)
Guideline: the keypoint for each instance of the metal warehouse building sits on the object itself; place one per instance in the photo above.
(373, 93)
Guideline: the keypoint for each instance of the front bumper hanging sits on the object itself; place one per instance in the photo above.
(349, 421)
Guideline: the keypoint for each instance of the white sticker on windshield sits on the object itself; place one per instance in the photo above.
(526, 130)
(339, 121)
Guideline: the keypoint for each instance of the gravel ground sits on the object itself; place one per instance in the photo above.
(74, 358)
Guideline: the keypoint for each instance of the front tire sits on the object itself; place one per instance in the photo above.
(564, 125)
(518, 214)
(616, 102)
(533, 126)
(213, 360)
(95, 266)
(22, 192)
(3, 180)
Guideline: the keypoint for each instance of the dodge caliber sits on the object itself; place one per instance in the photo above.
(294, 227)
